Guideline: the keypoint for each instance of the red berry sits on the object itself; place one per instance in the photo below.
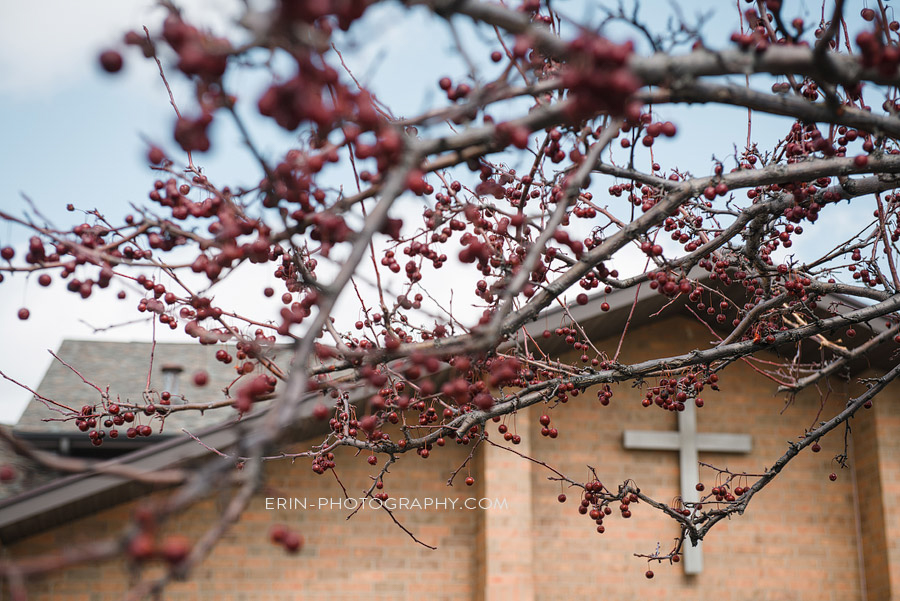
(277, 533)
(292, 542)
(832, 476)
(24, 314)
(111, 61)
(582, 299)
(649, 573)
(7, 253)
(156, 155)
(415, 182)
(175, 549)
(201, 378)
(7, 473)
(141, 547)
(470, 481)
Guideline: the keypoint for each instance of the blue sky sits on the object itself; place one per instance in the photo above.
(75, 135)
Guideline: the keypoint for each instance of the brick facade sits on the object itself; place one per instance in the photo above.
(801, 538)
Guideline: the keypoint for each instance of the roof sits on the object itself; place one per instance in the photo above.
(122, 368)
(59, 500)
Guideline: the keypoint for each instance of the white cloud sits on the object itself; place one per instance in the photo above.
(48, 45)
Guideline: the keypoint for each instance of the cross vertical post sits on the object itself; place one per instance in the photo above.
(689, 444)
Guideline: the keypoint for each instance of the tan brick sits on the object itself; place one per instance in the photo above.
(800, 533)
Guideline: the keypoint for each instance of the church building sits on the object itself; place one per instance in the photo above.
(509, 535)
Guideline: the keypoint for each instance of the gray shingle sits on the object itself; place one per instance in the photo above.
(28, 474)
(122, 366)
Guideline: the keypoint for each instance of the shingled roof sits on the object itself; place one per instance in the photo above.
(122, 368)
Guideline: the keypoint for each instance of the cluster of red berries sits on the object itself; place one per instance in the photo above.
(198, 52)
(175, 196)
(287, 538)
(671, 394)
(573, 338)
(683, 230)
(723, 493)
(322, 463)
(671, 284)
(598, 78)
(112, 416)
(596, 504)
(507, 435)
(758, 38)
(301, 99)
(546, 430)
(252, 391)
(297, 312)
(173, 549)
(720, 189)
(875, 54)
(651, 129)
(454, 93)
(593, 278)
(604, 395)
(575, 245)
(553, 150)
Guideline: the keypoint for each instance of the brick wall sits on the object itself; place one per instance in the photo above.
(877, 449)
(798, 539)
(868, 452)
(889, 442)
(340, 560)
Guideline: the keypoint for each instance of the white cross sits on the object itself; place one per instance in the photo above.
(688, 442)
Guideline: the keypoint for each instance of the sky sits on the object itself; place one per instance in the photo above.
(73, 134)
